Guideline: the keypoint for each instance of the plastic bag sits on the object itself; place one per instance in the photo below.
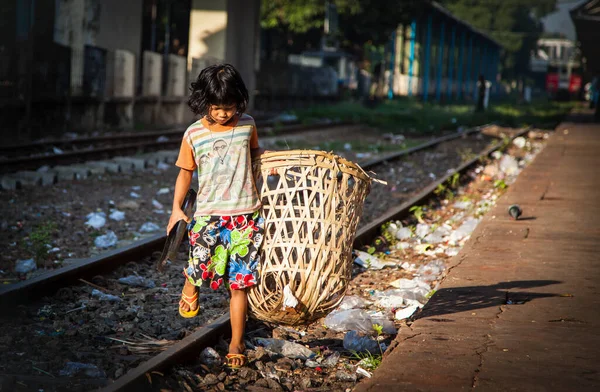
(431, 271)
(381, 319)
(134, 280)
(351, 319)
(105, 297)
(287, 349)
(360, 344)
(149, 227)
(117, 215)
(352, 302)
(107, 240)
(369, 261)
(96, 219)
(25, 266)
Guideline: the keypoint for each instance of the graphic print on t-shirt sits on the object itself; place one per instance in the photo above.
(223, 163)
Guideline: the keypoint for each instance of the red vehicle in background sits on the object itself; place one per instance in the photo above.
(563, 82)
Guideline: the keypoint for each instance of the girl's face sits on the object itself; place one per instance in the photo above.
(221, 114)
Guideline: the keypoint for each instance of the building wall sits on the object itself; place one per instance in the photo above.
(208, 24)
(120, 25)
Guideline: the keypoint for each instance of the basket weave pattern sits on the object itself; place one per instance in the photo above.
(312, 202)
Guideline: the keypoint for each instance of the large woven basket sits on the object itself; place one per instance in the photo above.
(312, 202)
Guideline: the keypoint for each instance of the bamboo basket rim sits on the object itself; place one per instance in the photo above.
(304, 156)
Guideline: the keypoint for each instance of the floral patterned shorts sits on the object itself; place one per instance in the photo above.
(225, 247)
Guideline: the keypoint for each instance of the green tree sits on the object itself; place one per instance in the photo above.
(515, 24)
(360, 21)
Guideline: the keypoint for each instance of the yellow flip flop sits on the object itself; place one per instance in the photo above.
(230, 357)
(189, 301)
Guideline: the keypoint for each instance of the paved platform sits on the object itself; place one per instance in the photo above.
(520, 307)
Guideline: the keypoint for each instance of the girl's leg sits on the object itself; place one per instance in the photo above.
(238, 309)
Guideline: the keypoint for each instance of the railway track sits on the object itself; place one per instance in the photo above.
(32, 156)
(201, 337)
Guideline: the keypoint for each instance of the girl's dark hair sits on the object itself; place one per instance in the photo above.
(219, 84)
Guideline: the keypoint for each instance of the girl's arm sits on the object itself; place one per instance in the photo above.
(255, 152)
(184, 180)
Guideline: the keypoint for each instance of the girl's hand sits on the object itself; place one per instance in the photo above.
(176, 216)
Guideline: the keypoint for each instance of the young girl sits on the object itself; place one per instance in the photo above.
(226, 230)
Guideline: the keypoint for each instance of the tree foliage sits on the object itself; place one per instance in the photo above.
(515, 24)
(360, 21)
(299, 16)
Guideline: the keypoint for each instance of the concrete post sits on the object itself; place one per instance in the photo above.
(242, 41)
(426, 65)
(438, 89)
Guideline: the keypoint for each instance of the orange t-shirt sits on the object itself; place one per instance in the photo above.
(221, 154)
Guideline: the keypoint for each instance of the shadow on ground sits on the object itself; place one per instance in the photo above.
(469, 298)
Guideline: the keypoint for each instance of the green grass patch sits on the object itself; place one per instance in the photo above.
(356, 145)
(408, 115)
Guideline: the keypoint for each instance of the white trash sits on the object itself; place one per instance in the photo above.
(371, 262)
(520, 142)
(96, 219)
(25, 266)
(422, 230)
(462, 205)
(107, 240)
(352, 302)
(464, 230)
(285, 348)
(403, 233)
(351, 319)
(405, 313)
(149, 227)
(117, 215)
(431, 271)
(509, 165)
(289, 301)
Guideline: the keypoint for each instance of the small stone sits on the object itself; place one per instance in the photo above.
(248, 374)
(259, 353)
(259, 365)
(262, 383)
(343, 375)
(222, 376)
(221, 386)
(285, 364)
(305, 383)
(274, 385)
(211, 379)
(129, 205)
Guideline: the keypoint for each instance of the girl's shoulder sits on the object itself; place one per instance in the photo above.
(245, 119)
(195, 127)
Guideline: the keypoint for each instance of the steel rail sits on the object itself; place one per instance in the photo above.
(46, 284)
(25, 161)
